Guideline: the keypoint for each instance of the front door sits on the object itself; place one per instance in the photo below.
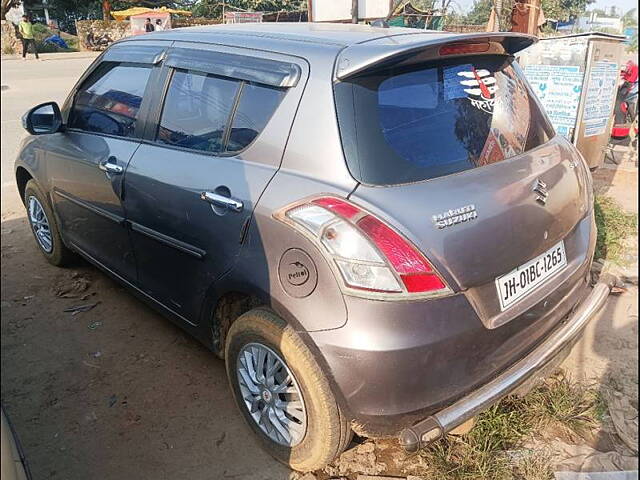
(192, 187)
(88, 161)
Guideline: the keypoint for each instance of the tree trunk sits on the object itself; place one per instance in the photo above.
(106, 10)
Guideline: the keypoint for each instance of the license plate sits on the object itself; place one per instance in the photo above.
(518, 283)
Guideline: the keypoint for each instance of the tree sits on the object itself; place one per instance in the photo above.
(106, 10)
(213, 8)
(67, 11)
(8, 5)
(564, 9)
(630, 19)
(479, 13)
(179, 4)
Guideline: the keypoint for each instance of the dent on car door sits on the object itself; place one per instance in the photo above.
(192, 187)
(87, 162)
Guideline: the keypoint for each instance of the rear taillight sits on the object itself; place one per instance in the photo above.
(624, 106)
(372, 258)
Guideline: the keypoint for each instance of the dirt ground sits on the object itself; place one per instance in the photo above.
(609, 349)
(119, 392)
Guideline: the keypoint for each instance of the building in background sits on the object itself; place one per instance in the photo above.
(594, 22)
(341, 10)
(243, 17)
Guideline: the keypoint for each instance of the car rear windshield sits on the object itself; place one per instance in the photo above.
(410, 124)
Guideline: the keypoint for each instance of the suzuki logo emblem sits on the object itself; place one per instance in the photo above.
(540, 189)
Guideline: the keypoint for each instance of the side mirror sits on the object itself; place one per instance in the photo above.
(42, 119)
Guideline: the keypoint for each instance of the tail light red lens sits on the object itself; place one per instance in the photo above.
(337, 206)
(370, 255)
(624, 107)
(414, 270)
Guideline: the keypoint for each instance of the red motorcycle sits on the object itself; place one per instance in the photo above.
(626, 107)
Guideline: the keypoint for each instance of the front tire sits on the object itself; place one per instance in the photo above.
(44, 227)
(282, 393)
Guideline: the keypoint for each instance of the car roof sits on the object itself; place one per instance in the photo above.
(355, 45)
(335, 34)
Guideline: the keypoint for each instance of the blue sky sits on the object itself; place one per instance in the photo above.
(624, 5)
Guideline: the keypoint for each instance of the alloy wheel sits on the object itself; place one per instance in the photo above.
(271, 394)
(40, 224)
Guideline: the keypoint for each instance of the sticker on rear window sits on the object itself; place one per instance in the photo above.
(452, 87)
(492, 152)
(478, 85)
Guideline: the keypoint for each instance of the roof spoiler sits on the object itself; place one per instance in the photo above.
(397, 48)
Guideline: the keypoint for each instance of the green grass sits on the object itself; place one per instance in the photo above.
(570, 404)
(614, 226)
(483, 452)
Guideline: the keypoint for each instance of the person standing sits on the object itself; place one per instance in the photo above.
(148, 26)
(25, 27)
(159, 27)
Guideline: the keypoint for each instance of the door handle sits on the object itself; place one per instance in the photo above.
(222, 201)
(110, 166)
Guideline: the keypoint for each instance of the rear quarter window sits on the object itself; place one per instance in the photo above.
(256, 106)
(413, 124)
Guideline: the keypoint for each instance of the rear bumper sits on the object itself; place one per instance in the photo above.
(445, 420)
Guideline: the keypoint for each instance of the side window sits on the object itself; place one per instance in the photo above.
(196, 111)
(256, 106)
(109, 101)
(199, 112)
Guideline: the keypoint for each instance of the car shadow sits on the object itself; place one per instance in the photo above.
(116, 391)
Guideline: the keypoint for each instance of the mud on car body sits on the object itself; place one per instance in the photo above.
(376, 228)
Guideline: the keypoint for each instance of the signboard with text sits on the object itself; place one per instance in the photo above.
(598, 105)
(340, 10)
(558, 88)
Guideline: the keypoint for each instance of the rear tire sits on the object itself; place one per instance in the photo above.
(326, 433)
(44, 227)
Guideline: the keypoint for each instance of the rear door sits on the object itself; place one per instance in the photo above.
(218, 138)
(88, 160)
(472, 173)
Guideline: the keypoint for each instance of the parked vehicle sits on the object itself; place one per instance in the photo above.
(376, 228)
(626, 106)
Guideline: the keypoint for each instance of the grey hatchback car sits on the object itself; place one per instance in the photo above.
(376, 228)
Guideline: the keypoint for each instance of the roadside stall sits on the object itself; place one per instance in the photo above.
(158, 21)
(159, 18)
(576, 79)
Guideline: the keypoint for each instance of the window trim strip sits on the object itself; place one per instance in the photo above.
(130, 53)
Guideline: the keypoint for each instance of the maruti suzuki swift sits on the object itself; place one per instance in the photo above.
(376, 228)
